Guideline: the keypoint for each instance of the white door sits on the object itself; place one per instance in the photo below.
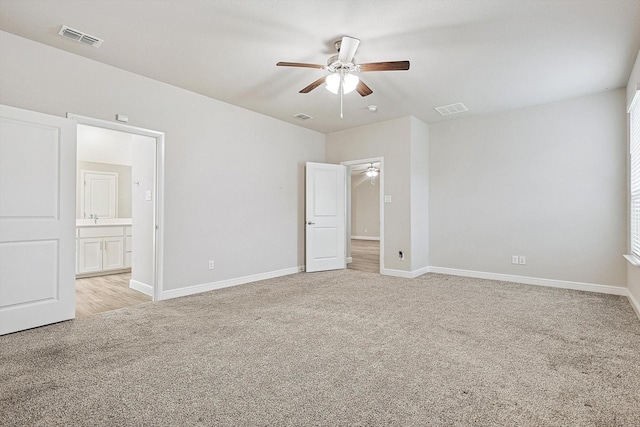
(325, 217)
(37, 219)
(100, 195)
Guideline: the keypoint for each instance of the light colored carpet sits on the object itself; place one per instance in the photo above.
(335, 348)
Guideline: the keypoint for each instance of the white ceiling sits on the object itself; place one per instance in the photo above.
(491, 55)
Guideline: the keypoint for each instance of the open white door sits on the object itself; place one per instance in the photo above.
(37, 219)
(325, 217)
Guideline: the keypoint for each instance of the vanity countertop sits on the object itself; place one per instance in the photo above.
(101, 222)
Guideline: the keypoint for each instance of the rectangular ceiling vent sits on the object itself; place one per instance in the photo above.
(447, 110)
(79, 36)
(303, 116)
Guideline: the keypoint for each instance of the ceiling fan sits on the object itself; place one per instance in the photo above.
(342, 68)
(371, 172)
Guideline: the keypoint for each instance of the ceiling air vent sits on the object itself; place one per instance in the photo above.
(446, 110)
(79, 36)
(303, 116)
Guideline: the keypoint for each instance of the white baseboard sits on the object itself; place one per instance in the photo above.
(420, 271)
(634, 303)
(396, 273)
(365, 238)
(578, 286)
(141, 287)
(205, 287)
(405, 274)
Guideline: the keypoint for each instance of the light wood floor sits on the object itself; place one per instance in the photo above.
(365, 255)
(105, 293)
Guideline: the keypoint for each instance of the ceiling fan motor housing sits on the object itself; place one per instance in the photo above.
(334, 64)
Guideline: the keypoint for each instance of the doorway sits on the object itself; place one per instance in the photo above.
(118, 250)
(365, 214)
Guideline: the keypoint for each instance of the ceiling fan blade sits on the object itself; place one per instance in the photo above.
(313, 85)
(299, 64)
(348, 48)
(385, 66)
(363, 89)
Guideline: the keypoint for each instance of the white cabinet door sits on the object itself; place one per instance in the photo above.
(37, 219)
(100, 196)
(89, 255)
(326, 217)
(113, 253)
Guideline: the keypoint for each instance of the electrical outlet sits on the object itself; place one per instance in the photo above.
(522, 260)
(400, 254)
(514, 259)
(211, 265)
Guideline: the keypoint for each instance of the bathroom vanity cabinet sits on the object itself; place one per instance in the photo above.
(102, 248)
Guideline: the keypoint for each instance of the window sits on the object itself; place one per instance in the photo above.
(634, 172)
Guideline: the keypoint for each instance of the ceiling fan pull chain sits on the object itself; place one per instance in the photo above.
(341, 92)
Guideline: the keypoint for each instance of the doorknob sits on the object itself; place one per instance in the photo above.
(311, 223)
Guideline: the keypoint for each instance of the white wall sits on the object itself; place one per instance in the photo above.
(391, 140)
(403, 143)
(419, 195)
(546, 182)
(633, 273)
(143, 155)
(365, 206)
(234, 189)
(104, 145)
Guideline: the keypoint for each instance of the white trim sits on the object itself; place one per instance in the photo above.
(420, 272)
(365, 238)
(633, 260)
(634, 303)
(205, 287)
(349, 260)
(406, 274)
(579, 286)
(141, 287)
(635, 98)
(396, 273)
(158, 243)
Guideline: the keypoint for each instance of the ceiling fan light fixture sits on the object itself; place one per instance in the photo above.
(350, 83)
(332, 83)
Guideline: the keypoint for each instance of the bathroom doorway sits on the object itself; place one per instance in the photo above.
(118, 216)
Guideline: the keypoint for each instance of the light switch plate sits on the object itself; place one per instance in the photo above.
(147, 195)
(387, 199)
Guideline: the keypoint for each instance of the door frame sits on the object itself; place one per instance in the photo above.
(158, 244)
(348, 164)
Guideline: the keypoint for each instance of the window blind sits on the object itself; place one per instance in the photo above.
(634, 172)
